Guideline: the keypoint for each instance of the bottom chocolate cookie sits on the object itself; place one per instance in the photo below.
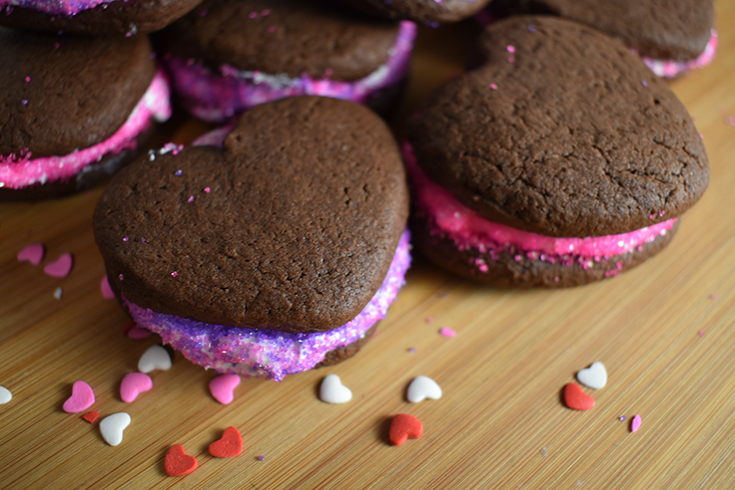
(526, 270)
(345, 352)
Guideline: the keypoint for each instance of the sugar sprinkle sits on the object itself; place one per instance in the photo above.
(447, 332)
(635, 424)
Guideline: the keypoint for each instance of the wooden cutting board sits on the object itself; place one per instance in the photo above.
(666, 332)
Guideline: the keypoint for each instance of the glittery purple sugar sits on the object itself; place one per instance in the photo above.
(54, 7)
(269, 353)
(215, 97)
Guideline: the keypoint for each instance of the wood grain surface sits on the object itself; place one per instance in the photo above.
(501, 422)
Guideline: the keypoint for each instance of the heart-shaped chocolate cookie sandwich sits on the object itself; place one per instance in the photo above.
(74, 110)
(559, 161)
(266, 255)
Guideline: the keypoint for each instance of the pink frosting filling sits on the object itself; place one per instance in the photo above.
(671, 68)
(18, 171)
(467, 229)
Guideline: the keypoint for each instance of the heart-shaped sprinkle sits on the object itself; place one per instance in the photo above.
(5, 395)
(635, 424)
(229, 445)
(223, 387)
(112, 427)
(91, 417)
(333, 391)
(594, 377)
(577, 399)
(134, 384)
(178, 463)
(138, 333)
(106, 289)
(405, 427)
(61, 267)
(82, 397)
(423, 387)
(156, 357)
(32, 253)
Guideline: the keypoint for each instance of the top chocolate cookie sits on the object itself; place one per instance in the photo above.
(563, 132)
(62, 93)
(291, 226)
(664, 29)
(421, 10)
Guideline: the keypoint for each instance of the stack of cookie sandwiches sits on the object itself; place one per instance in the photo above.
(76, 108)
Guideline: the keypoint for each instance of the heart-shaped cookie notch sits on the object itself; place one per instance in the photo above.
(291, 225)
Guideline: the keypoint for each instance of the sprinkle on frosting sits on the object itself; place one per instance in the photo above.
(468, 230)
(215, 97)
(270, 353)
(19, 171)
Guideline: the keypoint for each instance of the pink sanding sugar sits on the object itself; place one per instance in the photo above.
(19, 172)
(56, 7)
(468, 230)
(215, 97)
(672, 68)
(270, 353)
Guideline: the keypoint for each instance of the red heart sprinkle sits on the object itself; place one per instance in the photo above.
(91, 417)
(577, 399)
(404, 427)
(178, 463)
(228, 446)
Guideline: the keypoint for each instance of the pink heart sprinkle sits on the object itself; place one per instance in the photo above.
(635, 424)
(82, 397)
(106, 289)
(61, 267)
(32, 253)
(447, 332)
(223, 387)
(137, 333)
(134, 384)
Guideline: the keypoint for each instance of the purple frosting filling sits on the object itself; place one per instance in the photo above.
(54, 7)
(271, 353)
(215, 97)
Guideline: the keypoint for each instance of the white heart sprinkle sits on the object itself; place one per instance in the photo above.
(423, 387)
(5, 395)
(333, 391)
(156, 357)
(594, 376)
(58, 293)
(112, 427)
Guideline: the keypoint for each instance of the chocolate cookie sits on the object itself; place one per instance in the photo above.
(428, 11)
(671, 35)
(561, 133)
(292, 230)
(94, 17)
(229, 55)
(71, 108)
